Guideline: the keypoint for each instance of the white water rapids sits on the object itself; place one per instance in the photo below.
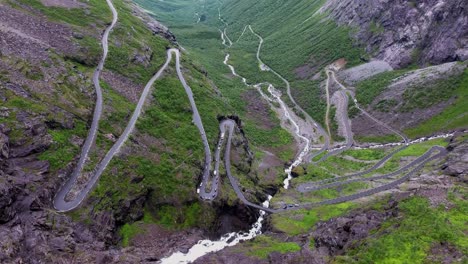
(395, 144)
(204, 247)
(287, 113)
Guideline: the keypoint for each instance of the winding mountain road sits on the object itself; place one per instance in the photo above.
(419, 163)
(333, 182)
(208, 189)
(307, 187)
(276, 96)
(305, 153)
(336, 181)
(403, 136)
(347, 127)
(442, 152)
(59, 202)
(327, 112)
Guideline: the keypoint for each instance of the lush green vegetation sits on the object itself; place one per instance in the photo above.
(454, 116)
(117, 113)
(413, 150)
(187, 216)
(369, 89)
(128, 231)
(308, 95)
(274, 137)
(408, 239)
(62, 150)
(303, 36)
(421, 148)
(24, 104)
(170, 218)
(97, 12)
(315, 173)
(171, 112)
(301, 221)
(287, 45)
(429, 94)
(353, 111)
(262, 246)
(243, 56)
(131, 37)
(169, 166)
(338, 165)
(204, 45)
(331, 193)
(365, 154)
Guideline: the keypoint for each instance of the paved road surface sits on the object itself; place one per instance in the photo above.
(209, 187)
(333, 182)
(59, 201)
(419, 163)
(403, 136)
(62, 205)
(309, 119)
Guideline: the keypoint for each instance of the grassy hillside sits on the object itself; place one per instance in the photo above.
(452, 117)
(293, 35)
(163, 159)
(407, 239)
(450, 89)
(294, 32)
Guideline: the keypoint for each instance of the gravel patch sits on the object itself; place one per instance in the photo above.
(364, 71)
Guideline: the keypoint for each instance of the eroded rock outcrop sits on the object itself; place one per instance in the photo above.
(337, 234)
(457, 159)
(403, 32)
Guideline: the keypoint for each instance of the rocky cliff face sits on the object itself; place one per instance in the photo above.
(46, 99)
(457, 159)
(336, 239)
(46, 66)
(30, 231)
(404, 32)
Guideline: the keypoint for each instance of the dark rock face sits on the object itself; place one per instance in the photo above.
(402, 32)
(155, 26)
(457, 160)
(444, 253)
(31, 231)
(143, 57)
(229, 258)
(25, 193)
(30, 36)
(338, 234)
(131, 210)
(233, 218)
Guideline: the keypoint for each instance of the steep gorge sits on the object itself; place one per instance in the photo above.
(145, 206)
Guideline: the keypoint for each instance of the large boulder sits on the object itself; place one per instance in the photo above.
(457, 159)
